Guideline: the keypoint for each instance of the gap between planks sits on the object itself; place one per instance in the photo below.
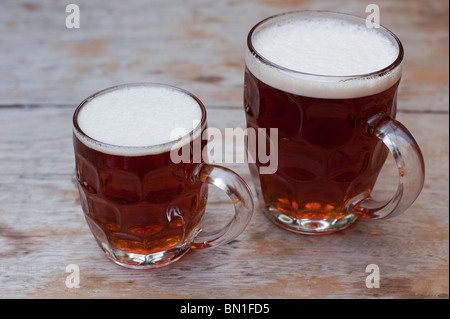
(216, 107)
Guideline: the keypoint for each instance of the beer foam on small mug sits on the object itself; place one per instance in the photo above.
(137, 117)
(325, 47)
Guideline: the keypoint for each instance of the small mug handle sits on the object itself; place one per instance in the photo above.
(240, 194)
(411, 170)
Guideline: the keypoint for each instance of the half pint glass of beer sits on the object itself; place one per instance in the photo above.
(142, 175)
(328, 84)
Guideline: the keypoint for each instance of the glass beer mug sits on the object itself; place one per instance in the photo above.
(328, 84)
(143, 189)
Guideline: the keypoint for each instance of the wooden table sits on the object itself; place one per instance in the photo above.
(46, 69)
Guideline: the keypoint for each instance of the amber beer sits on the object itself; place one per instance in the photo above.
(142, 207)
(316, 78)
(114, 201)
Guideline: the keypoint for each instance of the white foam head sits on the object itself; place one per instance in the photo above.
(138, 119)
(328, 46)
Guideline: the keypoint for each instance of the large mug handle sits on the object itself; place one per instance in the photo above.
(238, 191)
(411, 170)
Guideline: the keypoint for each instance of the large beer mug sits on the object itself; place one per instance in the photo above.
(142, 175)
(328, 84)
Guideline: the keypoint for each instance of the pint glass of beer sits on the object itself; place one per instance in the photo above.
(142, 198)
(328, 84)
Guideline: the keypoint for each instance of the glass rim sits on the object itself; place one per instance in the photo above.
(135, 150)
(397, 62)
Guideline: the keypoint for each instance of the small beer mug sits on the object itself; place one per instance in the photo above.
(328, 84)
(142, 176)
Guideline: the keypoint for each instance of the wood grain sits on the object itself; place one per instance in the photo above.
(199, 46)
(47, 69)
(42, 230)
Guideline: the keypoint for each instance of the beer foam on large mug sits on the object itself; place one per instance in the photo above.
(138, 120)
(327, 47)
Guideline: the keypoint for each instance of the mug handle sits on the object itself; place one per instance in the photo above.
(411, 170)
(240, 194)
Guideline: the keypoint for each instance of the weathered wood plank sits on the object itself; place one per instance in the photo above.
(196, 45)
(42, 230)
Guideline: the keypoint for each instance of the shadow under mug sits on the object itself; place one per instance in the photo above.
(144, 210)
(330, 149)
